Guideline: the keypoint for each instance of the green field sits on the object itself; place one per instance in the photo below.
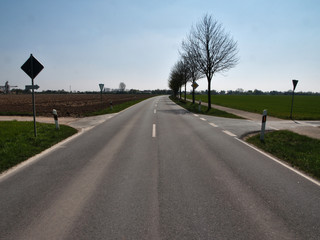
(17, 141)
(304, 108)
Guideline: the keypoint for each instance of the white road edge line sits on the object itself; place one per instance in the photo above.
(213, 125)
(196, 115)
(229, 133)
(203, 119)
(153, 130)
(281, 163)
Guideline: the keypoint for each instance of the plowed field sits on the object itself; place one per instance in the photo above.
(73, 105)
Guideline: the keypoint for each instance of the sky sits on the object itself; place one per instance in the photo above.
(82, 43)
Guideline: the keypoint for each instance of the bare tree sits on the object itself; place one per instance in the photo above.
(212, 49)
(183, 70)
(174, 84)
(193, 72)
(122, 86)
(176, 79)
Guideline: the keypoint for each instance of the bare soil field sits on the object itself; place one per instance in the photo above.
(67, 105)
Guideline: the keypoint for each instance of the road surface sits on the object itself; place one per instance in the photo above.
(155, 171)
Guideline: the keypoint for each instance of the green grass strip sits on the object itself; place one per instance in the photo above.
(299, 151)
(17, 141)
(115, 108)
(194, 108)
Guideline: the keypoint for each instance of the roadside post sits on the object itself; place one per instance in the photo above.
(32, 68)
(263, 125)
(55, 117)
(101, 85)
(294, 82)
(111, 107)
(199, 105)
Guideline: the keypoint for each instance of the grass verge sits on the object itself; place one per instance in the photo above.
(299, 151)
(194, 108)
(115, 108)
(17, 141)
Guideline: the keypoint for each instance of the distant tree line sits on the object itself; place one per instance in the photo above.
(257, 92)
(131, 91)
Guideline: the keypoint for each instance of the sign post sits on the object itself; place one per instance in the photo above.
(32, 68)
(263, 125)
(194, 85)
(294, 82)
(101, 85)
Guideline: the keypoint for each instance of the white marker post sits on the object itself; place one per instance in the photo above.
(200, 105)
(263, 125)
(55, 116)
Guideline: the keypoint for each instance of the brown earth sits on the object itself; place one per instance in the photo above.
(67, 105)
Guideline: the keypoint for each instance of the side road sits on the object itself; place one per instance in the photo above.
(77, 123)
(307, 128)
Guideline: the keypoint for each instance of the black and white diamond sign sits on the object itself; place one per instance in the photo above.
(32, 67)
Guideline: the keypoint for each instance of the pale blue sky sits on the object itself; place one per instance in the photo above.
(84, 43)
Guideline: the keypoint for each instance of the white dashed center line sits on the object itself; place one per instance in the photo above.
(154, 130)
(213, 125)
(229, 133)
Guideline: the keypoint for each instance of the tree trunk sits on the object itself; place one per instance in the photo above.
(180, 92)
(185, 92)
(209, 94)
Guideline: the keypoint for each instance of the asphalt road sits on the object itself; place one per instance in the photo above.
(155, 171)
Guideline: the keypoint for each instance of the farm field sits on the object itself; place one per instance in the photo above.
(304, 107)
(67, 105)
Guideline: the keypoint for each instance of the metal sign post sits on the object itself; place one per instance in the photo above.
(32, 68)
(294, 82)
(263, 125)
(101, 85)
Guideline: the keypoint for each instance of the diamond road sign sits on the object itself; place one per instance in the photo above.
(194, 85)
(32, 67)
